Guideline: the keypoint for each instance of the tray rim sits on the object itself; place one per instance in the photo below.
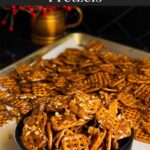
(43, 50)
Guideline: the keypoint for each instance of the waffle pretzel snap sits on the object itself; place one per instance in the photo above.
(78, 99)
(67, 120)
(75, 141)
(33, 135)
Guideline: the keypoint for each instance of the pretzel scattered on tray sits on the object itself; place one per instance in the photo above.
(89, 85)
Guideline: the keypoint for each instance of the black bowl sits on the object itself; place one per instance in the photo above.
(124, 144)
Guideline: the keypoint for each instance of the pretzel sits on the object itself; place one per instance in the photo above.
(140, 79)
(40, 90)
(72, 52)
(107, 118)
(92, 130)
(109, 57)
(130, 101)
(143, 92)
(3, 94)
(85, 106)
(75, 141)
(90, 70)
(141, 136)
(105, 98)
(76, 129)
(26, 96)
(36, 75)
(61, 82)
(25, 87)
(146, 115)
(146, 72)
(9, 83)
(2, 107)
(59, 136)
(76, 77)
(95, 46)
(8, 99)
(15, 112)
(17, 103)
(86, 63)
(5, 117)
(50, 136)
(119, 80)
(33, 136)
(108, 140)
(65, 69)
(66, 120)
(99, 137)
(124, 128)
(23, 69)
(58, 103)
(109, 68)
(115, 145)
(109, 90)
(97, 80)
(74, 87)
(133, 115)
(146, 126)
(25, 109)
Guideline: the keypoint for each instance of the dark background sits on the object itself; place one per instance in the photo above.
(127, 25)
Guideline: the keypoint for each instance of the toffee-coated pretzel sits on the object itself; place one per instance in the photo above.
(123, 129)
(50, 136)
(75, 141)
(58, 137)
(130, 101)
(84, 106)
(145, 126)
(108, 140)
(3, 94)
(66, 120)
(107, 118)
(98, 139)
(143, 92)
(95, 46)
(58, 103)
(133, 115)
(34, 136)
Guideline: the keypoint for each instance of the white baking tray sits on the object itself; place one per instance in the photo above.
(75, 40)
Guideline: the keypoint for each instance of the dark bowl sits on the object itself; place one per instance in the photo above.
(124, 144)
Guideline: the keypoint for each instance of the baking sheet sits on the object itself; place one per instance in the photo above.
(75, 40)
